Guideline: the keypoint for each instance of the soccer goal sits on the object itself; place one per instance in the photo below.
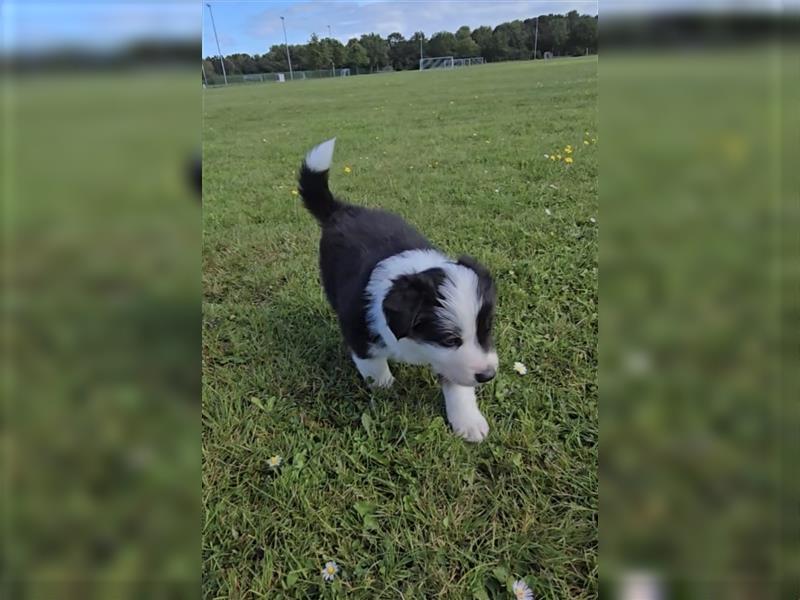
(468, 62)
(436, 62)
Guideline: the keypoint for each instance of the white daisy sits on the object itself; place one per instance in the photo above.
(520, 368)
(274, 461)
(330, 570)
(521, 590)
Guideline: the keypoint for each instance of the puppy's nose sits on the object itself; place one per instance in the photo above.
(485, 376)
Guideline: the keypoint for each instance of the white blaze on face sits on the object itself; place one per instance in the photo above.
(461, 303)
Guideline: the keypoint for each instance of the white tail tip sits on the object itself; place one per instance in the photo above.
(320, 157)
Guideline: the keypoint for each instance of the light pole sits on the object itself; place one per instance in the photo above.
(288, 58)
(333, 64)
(536, 39)
(219, 52)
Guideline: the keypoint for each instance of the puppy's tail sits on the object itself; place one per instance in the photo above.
(313, 180)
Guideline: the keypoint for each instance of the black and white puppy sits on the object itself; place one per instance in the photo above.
(399, 298)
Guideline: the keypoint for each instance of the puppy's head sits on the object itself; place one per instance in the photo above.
(443, 316)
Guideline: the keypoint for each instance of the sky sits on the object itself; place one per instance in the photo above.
(254, 26)
(35, 25)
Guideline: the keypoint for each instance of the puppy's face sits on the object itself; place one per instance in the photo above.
(443, 317)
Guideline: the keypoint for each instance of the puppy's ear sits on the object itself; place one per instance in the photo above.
(408, 298)
(485, 281)
(472, 263)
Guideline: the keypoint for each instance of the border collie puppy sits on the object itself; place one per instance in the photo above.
(399, 298)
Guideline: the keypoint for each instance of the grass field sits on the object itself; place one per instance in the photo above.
(406, 509)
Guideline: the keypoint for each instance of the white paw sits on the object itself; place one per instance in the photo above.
(471, 426)
(384, 381)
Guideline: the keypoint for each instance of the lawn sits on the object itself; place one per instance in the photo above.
(374, 480)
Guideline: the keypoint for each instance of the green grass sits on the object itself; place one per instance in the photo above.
(375, 481)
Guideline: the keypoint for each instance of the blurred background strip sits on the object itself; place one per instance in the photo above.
(101, 419)
(698, 287)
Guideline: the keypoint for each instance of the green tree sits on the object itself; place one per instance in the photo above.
(442, 43)
(336, 51)
(552, 34)
(487, 47)
(208, 68)
(418, 40)
(377, 50)
(273, 61)
(403, 54)
(355, 55)
(319, 55)
(301, 59)
(582, 34)
(466, 47)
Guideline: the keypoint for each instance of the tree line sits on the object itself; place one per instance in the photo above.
(572, 34)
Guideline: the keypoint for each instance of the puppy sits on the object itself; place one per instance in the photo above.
(397, 297)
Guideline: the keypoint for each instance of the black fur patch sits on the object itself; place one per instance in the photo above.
(410, 309)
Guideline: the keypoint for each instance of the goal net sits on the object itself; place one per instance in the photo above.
(466, 62)
(436, 62)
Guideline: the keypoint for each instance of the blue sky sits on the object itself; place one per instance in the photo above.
(253, 27)
(31, 25)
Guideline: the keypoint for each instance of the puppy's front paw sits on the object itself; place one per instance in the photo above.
(384, 381)
(471, 426)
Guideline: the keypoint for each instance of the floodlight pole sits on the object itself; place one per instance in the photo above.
(536, 39)
(219, 52)
(333, 64)
(288, 57)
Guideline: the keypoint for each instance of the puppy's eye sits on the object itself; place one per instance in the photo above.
(451, 341)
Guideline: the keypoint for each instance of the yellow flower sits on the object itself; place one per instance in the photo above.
(294, 192)
(348, 170)
(558, 156)
(552, 157)
(585, 142)
(275, 461)
(568, 160)
(568, 149)
(587, 133)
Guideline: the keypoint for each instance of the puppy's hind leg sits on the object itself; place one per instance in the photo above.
(375, 371)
